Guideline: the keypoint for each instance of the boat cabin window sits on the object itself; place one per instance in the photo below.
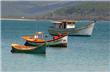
(73, 22)
(70, 25)
(39, 35)
(60, 25)
(64, 25)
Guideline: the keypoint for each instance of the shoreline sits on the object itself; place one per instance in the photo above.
(25, 19)
(19, 19)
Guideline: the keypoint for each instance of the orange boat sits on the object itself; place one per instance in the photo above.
(28, 49)
(33, 39)
(59, 40)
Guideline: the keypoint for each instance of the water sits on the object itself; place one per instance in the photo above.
(87, 54)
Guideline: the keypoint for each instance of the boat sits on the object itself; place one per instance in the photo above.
(16, 48)
(57, 41)
(69, 26)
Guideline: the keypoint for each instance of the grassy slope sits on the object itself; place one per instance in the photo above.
(95, 7)
(87, 9)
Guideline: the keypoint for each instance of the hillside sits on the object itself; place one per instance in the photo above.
(56, 9)
(29, 8)
(84, 10)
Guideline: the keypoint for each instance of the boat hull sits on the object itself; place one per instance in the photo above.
(40, 50)
(56, 43)
(27, 43)
(85, 31)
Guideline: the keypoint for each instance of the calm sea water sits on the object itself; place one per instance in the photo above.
(88, 54)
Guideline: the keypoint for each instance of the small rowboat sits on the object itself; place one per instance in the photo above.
(57, 41)
(16, 48)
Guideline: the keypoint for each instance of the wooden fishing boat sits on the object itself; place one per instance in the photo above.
(16, 48)
(57, 41)
(69, 26)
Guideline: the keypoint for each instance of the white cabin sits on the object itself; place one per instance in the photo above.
(64, 24)
(39, 35)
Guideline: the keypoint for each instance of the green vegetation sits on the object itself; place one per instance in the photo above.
(57, 9)
(99, 10)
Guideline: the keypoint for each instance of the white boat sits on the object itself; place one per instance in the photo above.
(69, 26)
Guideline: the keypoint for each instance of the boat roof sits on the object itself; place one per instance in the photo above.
(61, 21)
(39, 32)
(57, 22)
(67, 20)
